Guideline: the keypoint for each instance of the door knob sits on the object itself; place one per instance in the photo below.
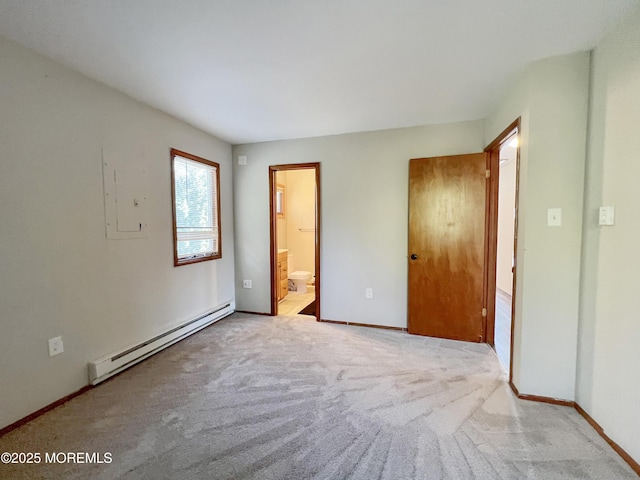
(414, 256)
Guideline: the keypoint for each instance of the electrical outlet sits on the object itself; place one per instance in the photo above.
(55, 346)
(368, 292)
(246, 283)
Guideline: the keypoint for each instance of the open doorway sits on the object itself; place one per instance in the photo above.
(504, 155)
(295, 234)
(505, 254)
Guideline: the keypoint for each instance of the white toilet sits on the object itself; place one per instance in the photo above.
(299, 277)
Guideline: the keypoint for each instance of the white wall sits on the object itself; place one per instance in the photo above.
(506, 209)
(551, 96)
(59, 274)
(364, 197)
(301, 213)
(608, 383)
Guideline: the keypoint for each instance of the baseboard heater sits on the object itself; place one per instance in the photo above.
(109, 365)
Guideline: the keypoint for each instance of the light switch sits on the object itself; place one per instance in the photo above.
(607, 216)
(554, 217)
(242, 159)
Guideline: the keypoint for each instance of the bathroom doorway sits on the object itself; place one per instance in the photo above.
(294, 199)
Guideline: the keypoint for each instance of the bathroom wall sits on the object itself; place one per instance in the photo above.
(300, 213)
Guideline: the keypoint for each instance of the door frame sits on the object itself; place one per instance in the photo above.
(273, 225)
(491, 251)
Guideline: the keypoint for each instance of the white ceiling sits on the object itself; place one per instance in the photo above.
(255, 70)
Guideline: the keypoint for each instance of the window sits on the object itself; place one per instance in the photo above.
(195, 184)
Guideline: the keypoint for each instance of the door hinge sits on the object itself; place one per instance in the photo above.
(488, 173)
(484, 312)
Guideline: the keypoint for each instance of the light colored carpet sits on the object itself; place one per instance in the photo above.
(290, 398)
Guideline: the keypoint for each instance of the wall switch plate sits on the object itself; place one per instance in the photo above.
(55, 346)
(554, 217)
(606, 216)
(368, 292)
(246, 283)
(242, 159)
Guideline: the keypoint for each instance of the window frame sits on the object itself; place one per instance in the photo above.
(196, 258)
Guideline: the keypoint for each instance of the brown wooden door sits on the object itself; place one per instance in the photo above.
(446, 246)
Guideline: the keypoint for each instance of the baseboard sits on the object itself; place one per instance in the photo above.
(541, 399)
(254, 313)
(635, 466)
(569, 403)
(354, 324)
(44, 410)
